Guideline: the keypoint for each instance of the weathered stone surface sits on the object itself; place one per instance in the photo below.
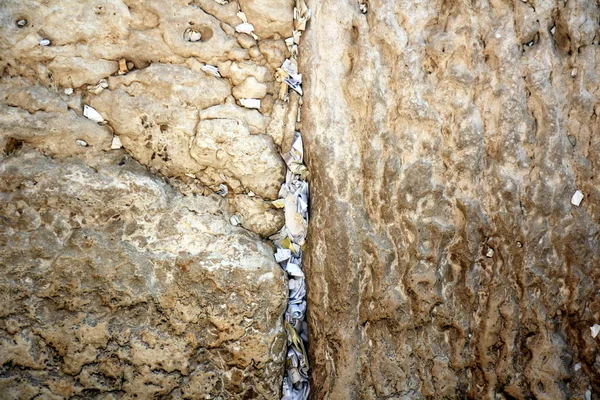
(256, 122)
(155, 108)
(250, 89)
(258, 215)
(283, 124)
(41, 118)
(445, 140)
(270, 17)
(228, 145)
(77, 71)
(113, 283)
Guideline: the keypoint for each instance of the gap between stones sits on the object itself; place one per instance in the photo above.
(290, 240)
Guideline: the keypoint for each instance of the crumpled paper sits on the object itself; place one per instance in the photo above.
(289, 241)
(288, 73)
(294, 195)
(245, 26)
(211, 69)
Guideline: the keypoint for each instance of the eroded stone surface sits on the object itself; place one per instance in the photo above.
(434, 133)
(113, 283)
(156, 103)
(44, 119)
(270, 17)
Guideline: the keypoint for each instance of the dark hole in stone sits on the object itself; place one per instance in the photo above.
(12, 145)
(354, 34)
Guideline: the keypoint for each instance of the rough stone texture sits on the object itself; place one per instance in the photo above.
(155, 108)
(114, 283)
(121, 275)
(270, 17)
(40, 117)
(435, 133)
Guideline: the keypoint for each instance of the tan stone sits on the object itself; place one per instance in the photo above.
(270, 17)
(239, 72)
(275, 51)
(258, 215)
(114, 284)
(256, 122)
(77, 71)
(118, 281)
(33, 115)
(250, 89)
(283, 122)
(228, 146)
(435, 132)
(178, 15)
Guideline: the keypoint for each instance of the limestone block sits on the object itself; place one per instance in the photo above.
(113, 283)
(270, 17)
(444, 143)
(256, 122)
(250, 89)
(228, 145)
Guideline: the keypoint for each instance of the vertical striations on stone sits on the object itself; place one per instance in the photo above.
(445, 141)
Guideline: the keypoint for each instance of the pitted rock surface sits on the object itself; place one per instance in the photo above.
(156, 106)
(114, 284)
(121, 273)
(445, 140)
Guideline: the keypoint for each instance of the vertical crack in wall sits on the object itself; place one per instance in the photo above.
(290, 240)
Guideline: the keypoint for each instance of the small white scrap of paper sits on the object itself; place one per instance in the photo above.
(250, 103)
(595, 330)
(577, 198)
(91, 113)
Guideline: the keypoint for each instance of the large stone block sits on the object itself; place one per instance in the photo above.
(114, 284)
(445, 140)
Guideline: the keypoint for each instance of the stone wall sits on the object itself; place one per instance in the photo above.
(121, 271)
(445, 141)
(446, 258)
(115, 285)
